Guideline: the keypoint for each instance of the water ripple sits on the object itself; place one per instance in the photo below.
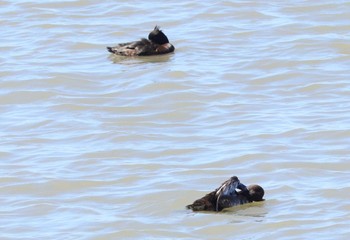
(104, 147)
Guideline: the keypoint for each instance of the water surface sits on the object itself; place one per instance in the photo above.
(96, 147)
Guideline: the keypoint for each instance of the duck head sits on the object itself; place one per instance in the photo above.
(157, 36)
(256, 193)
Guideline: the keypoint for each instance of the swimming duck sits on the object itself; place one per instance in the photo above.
(231, 193)
(157, 43)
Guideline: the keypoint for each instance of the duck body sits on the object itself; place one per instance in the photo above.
(157, 43)
(231, 193)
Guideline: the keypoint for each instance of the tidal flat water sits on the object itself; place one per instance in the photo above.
(100, 147)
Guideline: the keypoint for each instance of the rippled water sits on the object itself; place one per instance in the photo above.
(96, 147)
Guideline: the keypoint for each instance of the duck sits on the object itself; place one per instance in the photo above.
(156, 44)
(231, 193)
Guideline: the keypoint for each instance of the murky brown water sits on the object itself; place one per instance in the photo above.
(94, 147)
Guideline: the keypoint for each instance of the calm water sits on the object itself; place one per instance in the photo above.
(94, 147)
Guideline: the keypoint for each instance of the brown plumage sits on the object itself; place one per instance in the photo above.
(157, 43)
(231, 193)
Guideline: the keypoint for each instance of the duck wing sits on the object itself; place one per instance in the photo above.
(136, 48)
(231, 193)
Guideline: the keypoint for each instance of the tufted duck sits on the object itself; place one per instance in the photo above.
(231, 193)
(157, 43)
